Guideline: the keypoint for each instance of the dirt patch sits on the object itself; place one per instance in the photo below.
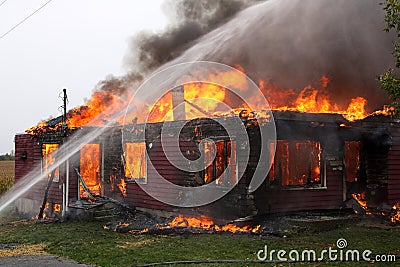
(31, 255)
(38, 260)
(8, 250)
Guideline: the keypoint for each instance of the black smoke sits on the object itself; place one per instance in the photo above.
(291, 43)
(190, 19)
(295, 42)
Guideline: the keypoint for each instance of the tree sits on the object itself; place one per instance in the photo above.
(6, 157)
(390, 80)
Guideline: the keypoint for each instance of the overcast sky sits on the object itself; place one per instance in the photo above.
(68, 44)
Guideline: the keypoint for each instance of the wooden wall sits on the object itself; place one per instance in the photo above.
(233, 205)
(323, 129)
(326, 129)
(26, 145)
(393, 168)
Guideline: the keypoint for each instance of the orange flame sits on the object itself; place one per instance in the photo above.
(48, 154)
(122, 187)
(312, 99)
(42, 127)
(356, 110)
(90, 168)
(57, 207)
(394, 216)
(360, 198)
(97, 111)
(206, 223)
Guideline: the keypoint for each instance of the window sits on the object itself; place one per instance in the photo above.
(90, 169)
(296, 163)
(49, 158)
(135, 161)
(352, 160)
(225, 159)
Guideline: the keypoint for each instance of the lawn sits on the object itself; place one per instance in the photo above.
(88, 242)
(6, 175)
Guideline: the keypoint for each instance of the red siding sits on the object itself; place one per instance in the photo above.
(137, 197)
(24, 144)
(275, 201)
(393, 194)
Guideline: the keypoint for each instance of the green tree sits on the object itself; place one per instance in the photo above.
(390, 80)
(7, 157)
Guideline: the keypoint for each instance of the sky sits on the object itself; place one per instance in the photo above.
(68, 44)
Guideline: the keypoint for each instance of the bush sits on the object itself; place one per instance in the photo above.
(6, 157)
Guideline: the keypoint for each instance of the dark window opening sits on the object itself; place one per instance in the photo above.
(296, 163)
(223, 168)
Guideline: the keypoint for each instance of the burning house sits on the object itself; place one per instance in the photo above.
(327, 149)
(319, 160)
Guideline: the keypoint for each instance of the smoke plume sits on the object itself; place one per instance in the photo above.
(290, 43)
(190, 19)
(295, 42)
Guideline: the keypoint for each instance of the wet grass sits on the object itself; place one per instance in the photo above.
(88, 242)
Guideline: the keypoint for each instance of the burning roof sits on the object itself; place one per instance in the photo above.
(306, 56)
(203, 100)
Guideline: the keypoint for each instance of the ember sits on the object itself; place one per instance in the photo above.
(42, 127)
(57, 207)
(394, 215)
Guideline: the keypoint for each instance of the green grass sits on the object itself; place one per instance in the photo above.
(88, 243)
(6, 175)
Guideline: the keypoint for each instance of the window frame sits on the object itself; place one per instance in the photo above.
(45, 166)
(99, 173)
(227, 177)
(272, 184)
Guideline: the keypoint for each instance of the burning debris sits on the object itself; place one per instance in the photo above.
(206, 223)
(362, 207)
(390, 214)
(277, 225)
(181, 224)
